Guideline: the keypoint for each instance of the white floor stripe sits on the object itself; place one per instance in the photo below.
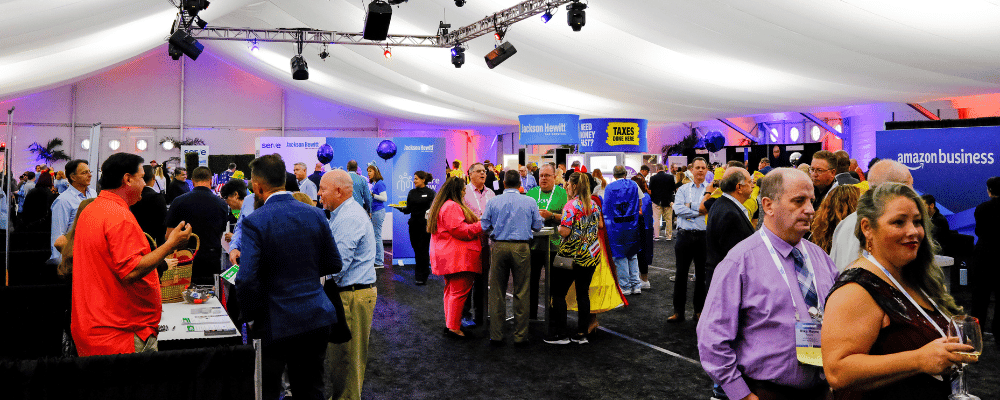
(652, 346)
(659, 268)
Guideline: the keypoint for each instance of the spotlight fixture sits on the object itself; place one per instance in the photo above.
(576, 16)
(141, 144)
(500, 33)
(397, 2)
(457, 55)
(201, 23)
(85, 144)
(459, 3)
(167, 145)
(547, 16)
(387, 53)
(377, 20)
(300, 69)
(500, 54)
(114, 144)
(443, 28)
(182, 42)
(323, 54)
(253, 45)
(174, 52)
(193, 7)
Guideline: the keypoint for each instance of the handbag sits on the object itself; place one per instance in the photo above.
(562, 262)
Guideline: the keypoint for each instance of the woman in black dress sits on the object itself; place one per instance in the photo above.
(418, 202)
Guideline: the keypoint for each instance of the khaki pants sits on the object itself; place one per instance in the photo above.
(667, 213)
(509, 258)
(346, 362)
(145, 346)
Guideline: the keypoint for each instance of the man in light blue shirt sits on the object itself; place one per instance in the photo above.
(305, 185)
(64, 207)
(690, 245)
(234, 242)
(510, 219)
(362, 193)
(355, 238)
(25, 188)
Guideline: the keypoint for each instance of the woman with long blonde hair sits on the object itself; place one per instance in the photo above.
(455, 249)
(837, 205)
(601, 183)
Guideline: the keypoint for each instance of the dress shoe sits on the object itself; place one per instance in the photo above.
(452, 335)
(675, 318)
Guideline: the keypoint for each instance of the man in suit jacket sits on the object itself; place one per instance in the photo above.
(662, 186)
(286, 247)
(178, 185)
(728, 220)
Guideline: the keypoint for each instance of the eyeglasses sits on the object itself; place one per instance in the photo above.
(819, 170)
(478, 171)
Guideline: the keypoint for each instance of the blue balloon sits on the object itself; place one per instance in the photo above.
(715, 141)
(386, 149)
(324, 154)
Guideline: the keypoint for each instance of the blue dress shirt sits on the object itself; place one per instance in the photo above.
(63, 213)
(4, 216)
(355, 238)
(528, 182)
(308, 187)
(362, 193)
(511, 216)
(688, 217)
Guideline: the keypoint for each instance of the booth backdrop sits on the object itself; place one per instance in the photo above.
(412, 155)
(549, 129)
(613, 135)
(947, 166)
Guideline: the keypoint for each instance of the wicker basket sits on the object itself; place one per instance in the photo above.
(175, 280)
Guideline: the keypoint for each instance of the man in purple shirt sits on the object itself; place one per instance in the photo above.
(747, 333)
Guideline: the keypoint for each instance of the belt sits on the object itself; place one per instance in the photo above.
(512, 241)
(619, 220)
(351, 288)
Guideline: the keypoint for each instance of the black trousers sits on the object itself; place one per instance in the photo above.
(537, 266)
(645, 250)
(562, 279)
(690, 247)
(420, 239)
(476, 304)
(986, 284)
(303, 354)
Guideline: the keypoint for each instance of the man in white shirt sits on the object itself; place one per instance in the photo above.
(305, 185)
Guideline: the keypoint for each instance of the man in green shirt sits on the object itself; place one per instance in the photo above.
(550, 200)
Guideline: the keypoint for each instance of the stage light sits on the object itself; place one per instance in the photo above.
(183, 42)
(114, 144)
(201, 23)
(500, 54)
(173, 52)
(3, 147)
(500, 33)
(167, 145)
(457, 56)
(546, 17)
(141, 144)
(300, 69)
(576, 16)
(253, 45)
(377, 20)
(459, 3)
(193, 7)
(387, 53)
(85, 144)
(323, 54)
(396, 2)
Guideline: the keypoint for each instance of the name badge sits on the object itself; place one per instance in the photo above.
(423, 195)
(807, 343)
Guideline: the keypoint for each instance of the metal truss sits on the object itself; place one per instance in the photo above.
(312, 36)
(502, 19)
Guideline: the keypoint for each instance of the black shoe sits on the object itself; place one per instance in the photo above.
(523, 343)
(579, 338)
(497, 343)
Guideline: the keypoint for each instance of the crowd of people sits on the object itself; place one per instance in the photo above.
(786, 259)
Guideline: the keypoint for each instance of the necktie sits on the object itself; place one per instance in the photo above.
(805, 279)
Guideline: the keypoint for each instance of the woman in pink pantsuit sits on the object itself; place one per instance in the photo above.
(455, 249)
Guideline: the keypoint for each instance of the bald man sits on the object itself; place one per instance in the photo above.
(355, 239)
(846, 247)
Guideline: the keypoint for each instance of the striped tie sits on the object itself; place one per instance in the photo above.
(805, 279)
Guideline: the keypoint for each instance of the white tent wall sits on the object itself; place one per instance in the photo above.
(223, 105)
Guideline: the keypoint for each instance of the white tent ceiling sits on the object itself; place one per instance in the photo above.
(665, 60)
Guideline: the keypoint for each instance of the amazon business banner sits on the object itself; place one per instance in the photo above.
(952, 164)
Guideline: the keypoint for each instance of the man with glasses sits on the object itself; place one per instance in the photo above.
(823, 172)
(64, 207)
(550, 200)
(476, 197)
(527, 180)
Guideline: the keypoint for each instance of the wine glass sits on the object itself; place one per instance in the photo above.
(965, 329)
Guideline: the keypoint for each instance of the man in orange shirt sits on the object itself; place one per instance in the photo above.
(116, 292)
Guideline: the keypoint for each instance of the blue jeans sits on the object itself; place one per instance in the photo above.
(377, 218)
(628, 271)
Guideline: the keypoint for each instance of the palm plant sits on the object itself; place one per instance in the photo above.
(48, 153)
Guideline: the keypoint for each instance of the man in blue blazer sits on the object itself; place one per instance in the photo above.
(286, 247)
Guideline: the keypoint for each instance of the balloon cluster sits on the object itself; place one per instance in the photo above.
(386, 149)
(715, 141)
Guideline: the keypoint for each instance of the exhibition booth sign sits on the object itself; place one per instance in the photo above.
(549, 129)
(613, 135)
(952, 164)
(413, 154)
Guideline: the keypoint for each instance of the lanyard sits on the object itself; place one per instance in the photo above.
(479, 205)
(907, 294)
(781, 270)
(548, 201)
